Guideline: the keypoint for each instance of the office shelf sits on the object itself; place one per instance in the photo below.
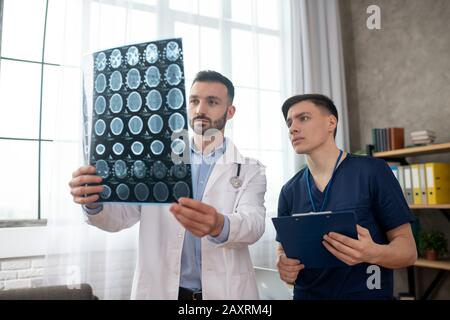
(433, 264)
(442, 266)
(429, 206)
(414, 151)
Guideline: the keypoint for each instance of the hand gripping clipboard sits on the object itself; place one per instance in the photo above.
(301, 236)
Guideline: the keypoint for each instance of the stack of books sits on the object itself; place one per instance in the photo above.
(388, 139)
(423, 137)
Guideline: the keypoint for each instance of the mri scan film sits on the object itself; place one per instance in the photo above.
(138, 114)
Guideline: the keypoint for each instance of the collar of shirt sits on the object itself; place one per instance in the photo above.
(202, 166)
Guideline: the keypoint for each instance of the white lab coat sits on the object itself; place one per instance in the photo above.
(227, 269)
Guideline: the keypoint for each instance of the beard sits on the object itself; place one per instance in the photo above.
(209, 127)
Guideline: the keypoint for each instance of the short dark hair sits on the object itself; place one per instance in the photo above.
(319, 100)
(214, 76)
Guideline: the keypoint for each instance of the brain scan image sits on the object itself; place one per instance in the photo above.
(118, 148)
(139, 169)
(160, 191)
(132, 56)
(175, 98)
(172, 51)
(152, 77)
(100, 62)
(134, 101)
(135, 125)
(155, 124)
(116, 126)
(157, 147)
(173, 75)
(138, 104)
(176, 122)
(154, 100)
(159, 170)
(120, 169)
(180, 170)
(100, 83)
(122, 191)
(141, 191)
(102, 168)
(137, 148)
(115, 59)
(115, 82)
(133, 79)
(181, 189)
(100, 105)
(151, 53)
(106, 193)
(100, 127)
(100, 149)
(115, 103)
(178, 146)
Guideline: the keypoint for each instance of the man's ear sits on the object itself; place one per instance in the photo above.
(332, 124)
(230, 112)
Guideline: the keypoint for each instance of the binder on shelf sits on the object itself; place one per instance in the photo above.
(408, 185)
(417, 194)
(438, 182)
(394, 171)
(401, 178)
(423, 184)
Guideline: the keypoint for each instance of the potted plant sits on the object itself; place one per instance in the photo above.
(433, 244)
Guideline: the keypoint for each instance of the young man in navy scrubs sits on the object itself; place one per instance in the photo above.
(341, 181)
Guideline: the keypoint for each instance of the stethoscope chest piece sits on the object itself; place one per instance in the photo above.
(236, 182)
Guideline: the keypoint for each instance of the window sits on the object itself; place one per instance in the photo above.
(32, 37)
(243, 40)
(42, 47)
(22, 64)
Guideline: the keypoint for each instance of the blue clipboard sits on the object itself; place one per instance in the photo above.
(301, 236)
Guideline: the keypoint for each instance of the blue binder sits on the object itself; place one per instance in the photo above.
(301, 236)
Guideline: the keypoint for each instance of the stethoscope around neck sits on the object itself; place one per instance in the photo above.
(236, 181)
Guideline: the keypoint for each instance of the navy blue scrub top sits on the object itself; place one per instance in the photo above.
(367, 186)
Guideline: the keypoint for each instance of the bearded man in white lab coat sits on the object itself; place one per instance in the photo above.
(196, 248)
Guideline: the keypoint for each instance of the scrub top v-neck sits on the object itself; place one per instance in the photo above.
(367, 186)
(324, 194)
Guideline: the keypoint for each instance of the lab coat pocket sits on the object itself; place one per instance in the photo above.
(224, 200)
(244, 285)
(235, 194)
